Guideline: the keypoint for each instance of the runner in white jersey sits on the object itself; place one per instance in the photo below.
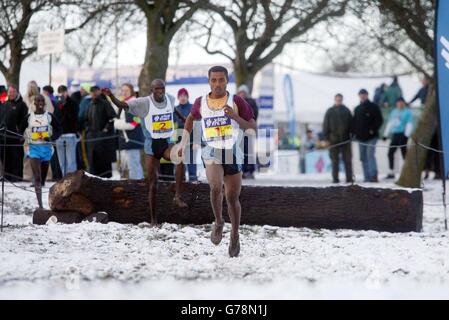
(40, 129)
(156, 113)
(224, 117)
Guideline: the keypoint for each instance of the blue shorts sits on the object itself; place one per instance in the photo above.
(43, 152)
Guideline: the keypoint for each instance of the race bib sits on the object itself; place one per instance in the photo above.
(218, 128)
(163, 123)
(39, 133)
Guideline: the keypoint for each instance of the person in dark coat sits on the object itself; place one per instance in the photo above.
(366, 124)
(181, 113)
(66, 112)
(99, 125)
(337, 129)
(249, 165)
(12, 113)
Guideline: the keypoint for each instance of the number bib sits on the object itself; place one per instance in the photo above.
(163, 123)
(218, 128)
(39, 128)
(159, 121)
(38, 133)
(219, 131)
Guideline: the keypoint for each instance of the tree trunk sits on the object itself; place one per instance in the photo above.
(411, 174)
(243, 75)
(13, 77)
(351, 207)
(156, 60)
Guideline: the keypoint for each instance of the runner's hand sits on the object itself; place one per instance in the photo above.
(181, 151)
(230, 112)
(106, 91)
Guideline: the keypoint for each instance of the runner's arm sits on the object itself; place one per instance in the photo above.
(117, 102)
(188, 128)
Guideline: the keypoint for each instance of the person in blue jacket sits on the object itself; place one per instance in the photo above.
(399, 127)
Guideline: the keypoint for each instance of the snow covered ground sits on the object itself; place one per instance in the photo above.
(178, 262)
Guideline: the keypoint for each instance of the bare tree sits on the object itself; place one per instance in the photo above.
(259, 30)
(18, 36)
(164, 19)
(96, 42)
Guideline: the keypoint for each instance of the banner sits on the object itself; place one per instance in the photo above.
(442, 79)
(290, 101)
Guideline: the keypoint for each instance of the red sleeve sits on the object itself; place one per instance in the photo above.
(196, 109)
(245, 110)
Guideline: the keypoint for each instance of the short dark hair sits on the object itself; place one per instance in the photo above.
(62, 89)
(339, 95)
(49, 89)
(219, 69)
(94, 88)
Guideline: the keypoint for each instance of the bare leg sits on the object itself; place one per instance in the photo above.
(214, 173)
(152, 169)
(179, 178)
(37, 177)
(233, 185)
(44, 171)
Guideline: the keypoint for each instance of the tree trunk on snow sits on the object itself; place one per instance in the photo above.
(415, 161)
(328, 208)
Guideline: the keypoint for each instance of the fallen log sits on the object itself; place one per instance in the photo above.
(352, 207)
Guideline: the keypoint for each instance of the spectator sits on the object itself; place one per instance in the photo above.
(32, 91)
(337, 130)
(68, 118)
(422, 93)
(400, 126)
(81, 152)
(366, 124)
(379, 94)
(75, 92)
(311, 141)
(131, 137)
(249, 164)
(392, 94)
(84, 104)
(12, 113)
(99, 124)
(49, 92)
(3, 94)
(182, 111)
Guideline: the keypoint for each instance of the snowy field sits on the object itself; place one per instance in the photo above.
(94, 261)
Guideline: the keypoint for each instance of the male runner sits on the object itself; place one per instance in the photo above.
(223, 117)
(156, 112)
